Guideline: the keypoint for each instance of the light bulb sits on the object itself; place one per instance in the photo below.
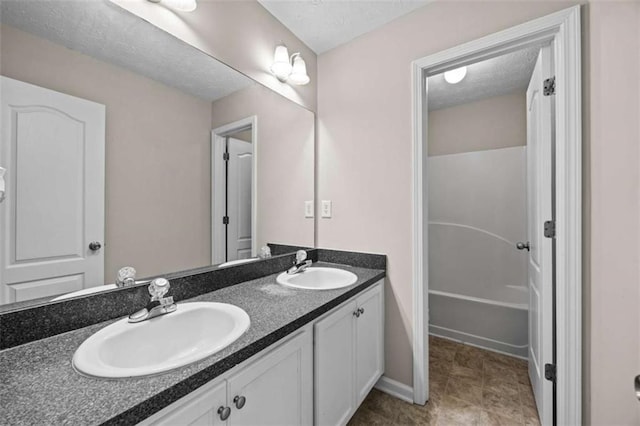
(455, 76)
(281, 66)
(299, 73)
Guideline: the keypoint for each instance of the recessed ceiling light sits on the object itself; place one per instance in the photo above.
(455, 76)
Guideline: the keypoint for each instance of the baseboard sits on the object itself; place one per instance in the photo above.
(395, 388)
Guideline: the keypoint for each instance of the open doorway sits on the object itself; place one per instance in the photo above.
(556, 223)
(490, 287)
(233, 219)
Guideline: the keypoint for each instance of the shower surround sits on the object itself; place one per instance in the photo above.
(477, 279)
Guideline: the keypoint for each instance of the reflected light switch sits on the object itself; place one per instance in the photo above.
(326, 208)
(308, 209)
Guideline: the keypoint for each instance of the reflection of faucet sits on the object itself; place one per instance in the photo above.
(159, 305)
(126, 277)
(300, 263)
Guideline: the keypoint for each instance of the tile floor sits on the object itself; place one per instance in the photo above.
(469, 386)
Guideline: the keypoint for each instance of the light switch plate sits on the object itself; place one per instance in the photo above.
(326, 208)
(308, 209)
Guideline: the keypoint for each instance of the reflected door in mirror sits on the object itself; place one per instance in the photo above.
(53, 149)
(239, 177)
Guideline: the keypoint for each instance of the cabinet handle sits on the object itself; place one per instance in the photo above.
(356, 313)
(239, 401)
(224, 412)
(361, 311)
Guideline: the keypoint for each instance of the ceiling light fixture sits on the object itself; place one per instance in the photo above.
(289, 68)
(181, 5)
(455, 76)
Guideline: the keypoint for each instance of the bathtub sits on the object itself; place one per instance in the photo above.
(496, 326)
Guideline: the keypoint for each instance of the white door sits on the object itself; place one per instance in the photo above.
(334, 363)
(539, 203)
(369, 341)
(276, 390)
(239, 178)
(53, 149)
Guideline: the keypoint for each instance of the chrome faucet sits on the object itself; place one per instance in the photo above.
(159, 305)
(300, 264)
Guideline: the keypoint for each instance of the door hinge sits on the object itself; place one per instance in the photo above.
(550, 372)
(549, 87)
(550, 229)
(225, 156)
(225, 220)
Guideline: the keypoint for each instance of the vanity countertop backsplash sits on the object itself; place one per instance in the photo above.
(40, 385)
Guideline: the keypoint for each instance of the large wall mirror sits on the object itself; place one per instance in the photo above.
(124, 146)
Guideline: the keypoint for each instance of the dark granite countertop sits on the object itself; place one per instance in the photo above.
(40, 386)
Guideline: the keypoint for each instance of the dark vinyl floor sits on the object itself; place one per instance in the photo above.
(468, 386)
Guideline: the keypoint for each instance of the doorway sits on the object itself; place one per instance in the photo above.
(489, 181)
(561, 32)
(233, 220)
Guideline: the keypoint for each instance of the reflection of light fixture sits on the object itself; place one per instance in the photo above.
(455, 76)
(291, 68)
(181, 5)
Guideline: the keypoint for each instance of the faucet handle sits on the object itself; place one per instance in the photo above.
(126, 276)
(158, 288)
(301, 256)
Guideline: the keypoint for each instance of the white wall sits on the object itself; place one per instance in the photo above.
(285, 152)
(364, 141)
(491, 123)
(364, 160)
(613, 309)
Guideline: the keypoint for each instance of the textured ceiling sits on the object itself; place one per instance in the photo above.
(104, 31)
(325, 24)
(492, 77)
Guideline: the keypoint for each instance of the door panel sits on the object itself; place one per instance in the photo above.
(539, 202)
(47, 287)
(239, 183)
(53, 149)
(197, 409)
(277, 388)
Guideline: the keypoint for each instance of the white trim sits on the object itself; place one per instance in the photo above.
(217, 185)
(563, 30)
(395, 389)
(519, 306)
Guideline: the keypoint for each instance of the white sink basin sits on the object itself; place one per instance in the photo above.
(193, 332)
(318, 278)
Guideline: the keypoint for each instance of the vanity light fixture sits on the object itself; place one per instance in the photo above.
(181, 5)
(456, 75)
(289, 68)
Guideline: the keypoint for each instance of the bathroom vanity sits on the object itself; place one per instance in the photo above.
(308, 357)
(321, 372)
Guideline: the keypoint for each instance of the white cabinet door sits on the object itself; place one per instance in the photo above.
(276, 389)
(369, 341)
(334, 367)
(197, 409)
